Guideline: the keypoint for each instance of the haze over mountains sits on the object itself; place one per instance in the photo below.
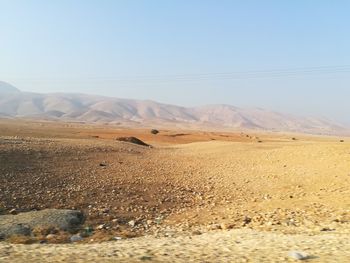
(91, 108)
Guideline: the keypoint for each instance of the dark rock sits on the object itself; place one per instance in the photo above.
(24, 223)
(15, 229)
(247, 220)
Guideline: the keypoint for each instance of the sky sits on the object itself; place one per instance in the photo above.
(288, 56)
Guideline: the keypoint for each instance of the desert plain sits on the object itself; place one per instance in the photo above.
(190, 196)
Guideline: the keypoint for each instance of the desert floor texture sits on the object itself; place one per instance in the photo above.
(192, 197)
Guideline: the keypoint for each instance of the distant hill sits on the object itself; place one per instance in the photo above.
(7, 88)
(90, 108)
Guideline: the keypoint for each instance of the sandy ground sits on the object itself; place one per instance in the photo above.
(217, 246)
(276, 193)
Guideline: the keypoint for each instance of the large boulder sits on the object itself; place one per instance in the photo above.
(24, 223)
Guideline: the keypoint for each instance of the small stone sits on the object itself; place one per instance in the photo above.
(76, 238)
(298, 255)
(13, 211)
(117, 238)
(225, 226)
(132, 223)
(158, 220)
(247, 220)
(214, 227)
(325, 229)
(105, 211)
(50, 236)
(100, 227)
(196, 233)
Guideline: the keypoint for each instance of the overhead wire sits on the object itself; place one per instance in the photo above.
(252, 74)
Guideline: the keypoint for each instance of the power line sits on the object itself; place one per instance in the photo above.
(274, 73)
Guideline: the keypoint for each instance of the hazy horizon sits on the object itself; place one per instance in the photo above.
(287, 57)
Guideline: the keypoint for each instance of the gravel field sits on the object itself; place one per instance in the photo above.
(191, 197)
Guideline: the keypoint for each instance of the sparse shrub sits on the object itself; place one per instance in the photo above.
(154, 131)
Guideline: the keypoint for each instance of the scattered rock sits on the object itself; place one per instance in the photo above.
(158, 220)
(101, 227)
(50, 236)
(246, 220)
(132, 223)
(213, 227)
(325, 229)
(226, 226)
(13, 211)
(196, 233)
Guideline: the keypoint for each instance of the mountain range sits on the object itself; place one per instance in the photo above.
(92, 108)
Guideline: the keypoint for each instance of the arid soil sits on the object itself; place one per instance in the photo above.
(189, 184)
(241, 245)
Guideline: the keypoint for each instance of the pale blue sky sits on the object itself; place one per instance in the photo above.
(291, 56)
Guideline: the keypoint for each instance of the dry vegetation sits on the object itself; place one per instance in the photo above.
(188, 182)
